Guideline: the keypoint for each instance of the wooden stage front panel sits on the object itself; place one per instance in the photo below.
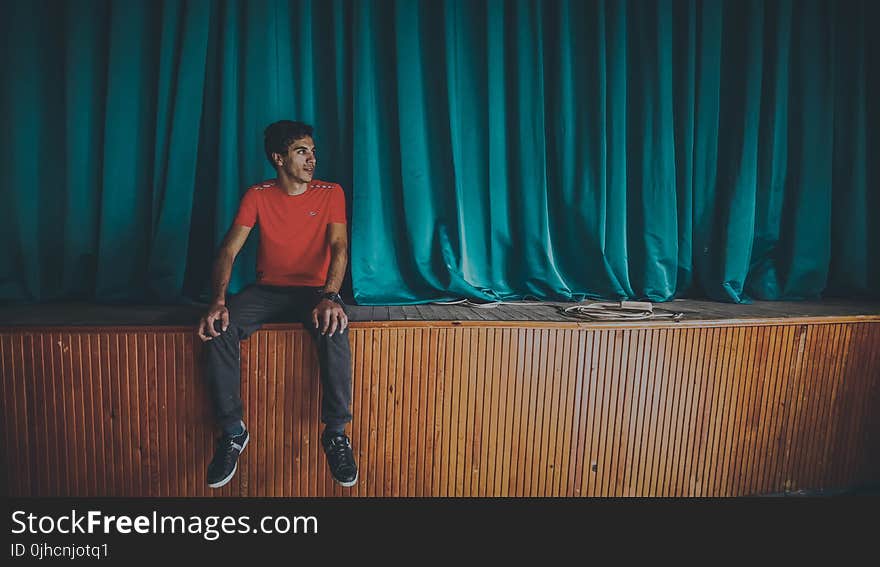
(449, 409)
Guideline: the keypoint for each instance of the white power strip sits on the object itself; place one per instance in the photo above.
(637, 305)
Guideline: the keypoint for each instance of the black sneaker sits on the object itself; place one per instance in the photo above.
(340, 458)
(225, 461)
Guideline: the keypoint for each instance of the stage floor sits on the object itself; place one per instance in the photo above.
(86, 314)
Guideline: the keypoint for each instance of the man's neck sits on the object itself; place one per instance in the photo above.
(291, 186)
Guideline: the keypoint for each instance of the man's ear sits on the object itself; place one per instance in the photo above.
(277, 158)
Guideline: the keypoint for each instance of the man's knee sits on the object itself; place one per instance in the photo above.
(230, 334)
(338, 339)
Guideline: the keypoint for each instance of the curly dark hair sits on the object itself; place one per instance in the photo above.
(278, 136)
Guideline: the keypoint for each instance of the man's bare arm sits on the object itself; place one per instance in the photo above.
(229, 249)
(329, 313)
(338, 237)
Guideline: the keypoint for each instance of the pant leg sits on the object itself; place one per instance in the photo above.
(334, 357)
(247, 312)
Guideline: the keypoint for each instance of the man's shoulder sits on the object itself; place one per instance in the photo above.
(262, 185)
(318, 184)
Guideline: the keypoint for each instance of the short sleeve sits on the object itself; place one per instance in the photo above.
(247, 210)
(337, 205)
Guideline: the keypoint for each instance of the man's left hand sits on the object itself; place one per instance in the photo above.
(328, 316)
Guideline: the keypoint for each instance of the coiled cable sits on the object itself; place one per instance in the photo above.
(619, 311)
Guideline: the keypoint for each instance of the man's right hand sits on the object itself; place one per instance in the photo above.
(206, 325)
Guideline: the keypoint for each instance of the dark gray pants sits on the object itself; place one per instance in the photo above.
(248, 310)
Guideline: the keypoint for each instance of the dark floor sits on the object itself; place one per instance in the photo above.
(870, 489)
(85, 314)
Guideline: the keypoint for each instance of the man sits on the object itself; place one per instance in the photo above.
(301, 261)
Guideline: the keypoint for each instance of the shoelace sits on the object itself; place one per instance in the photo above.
(336, 450)
(224, 448)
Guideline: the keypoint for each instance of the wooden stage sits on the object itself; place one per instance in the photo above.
(767, 398)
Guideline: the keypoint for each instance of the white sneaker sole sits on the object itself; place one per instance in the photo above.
(234, 469)
(350, 483)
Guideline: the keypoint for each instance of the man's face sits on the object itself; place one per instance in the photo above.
(300, 161)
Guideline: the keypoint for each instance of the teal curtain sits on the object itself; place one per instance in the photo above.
(134, 127)
(489, 149)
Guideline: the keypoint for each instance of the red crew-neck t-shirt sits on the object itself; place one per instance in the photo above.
(294, 249)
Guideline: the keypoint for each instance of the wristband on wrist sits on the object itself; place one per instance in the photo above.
(332, 296)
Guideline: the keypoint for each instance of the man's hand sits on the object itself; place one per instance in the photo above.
(331, 317)
(206, 325)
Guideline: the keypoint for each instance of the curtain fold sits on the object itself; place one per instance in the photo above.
(489, 149)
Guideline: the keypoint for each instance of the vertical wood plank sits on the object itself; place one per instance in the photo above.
(472, 411)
